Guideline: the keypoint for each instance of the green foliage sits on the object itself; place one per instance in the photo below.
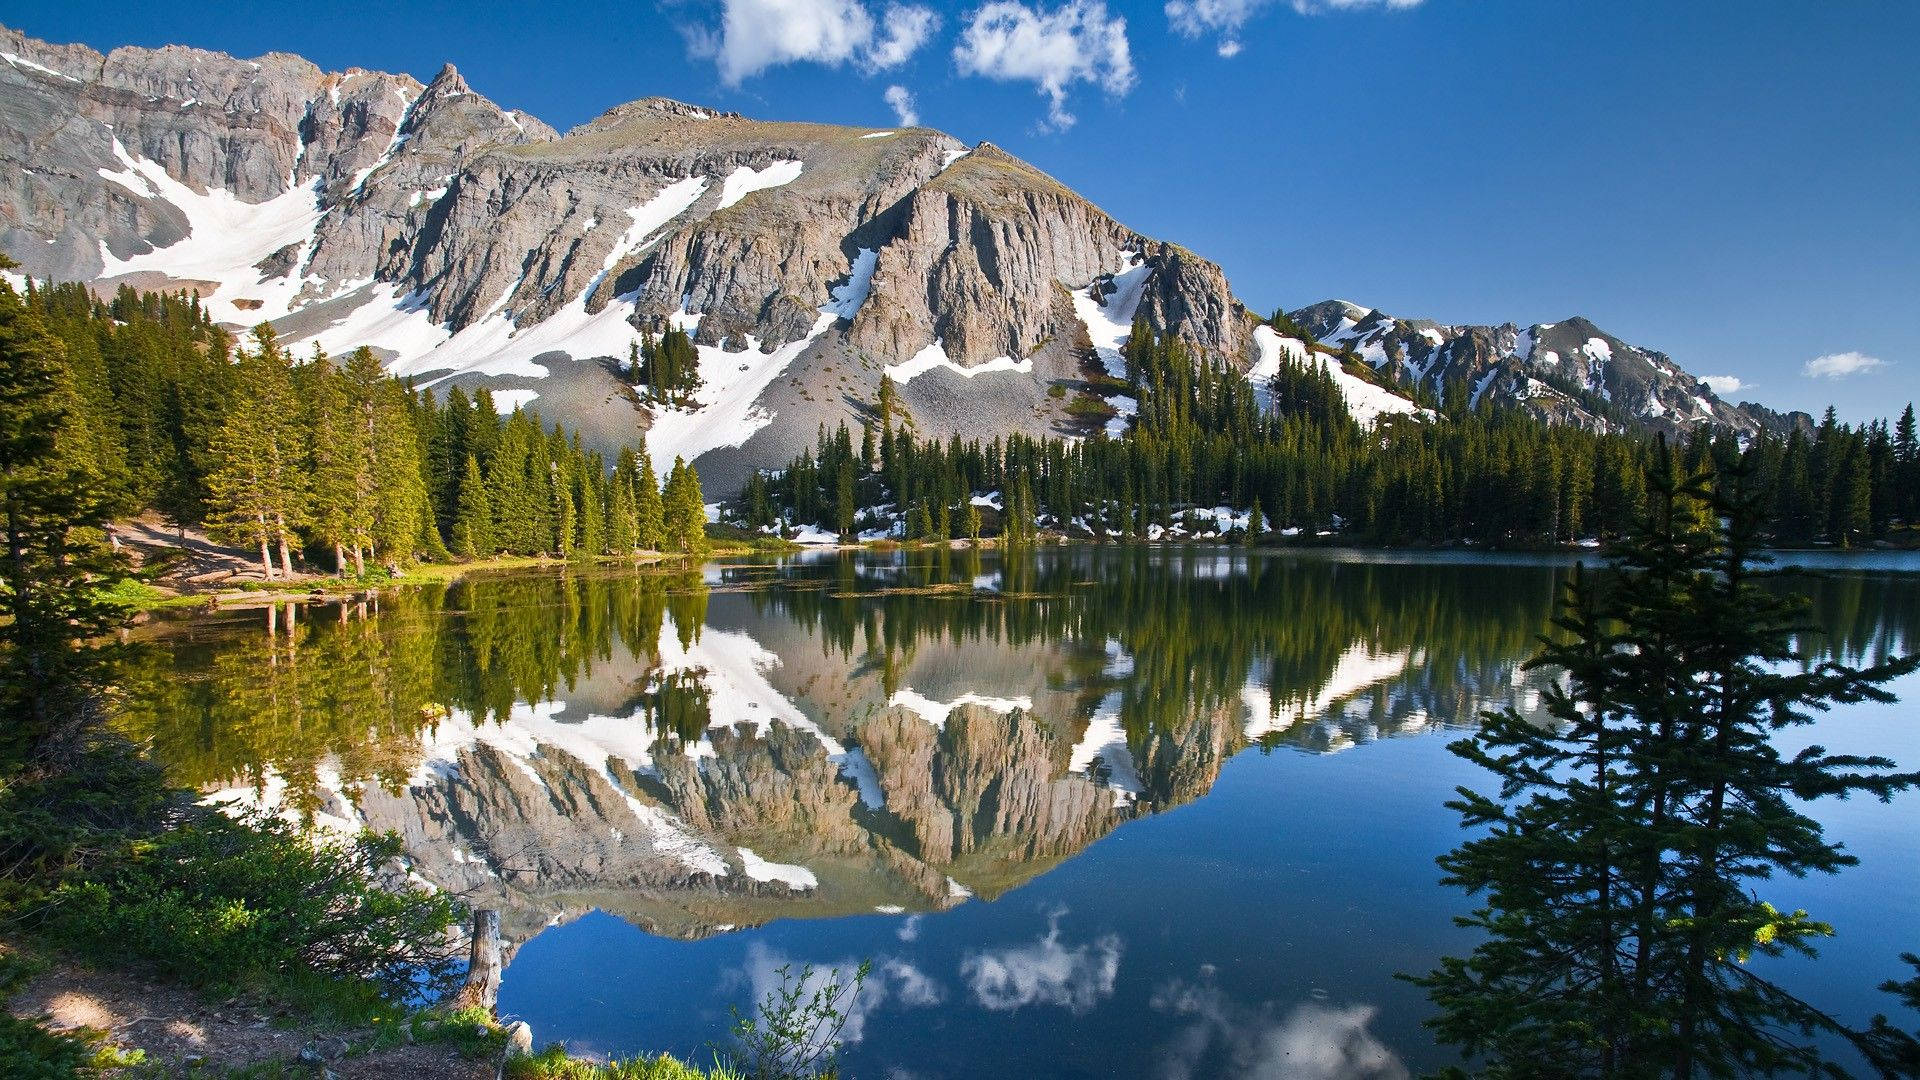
(1896, 1052)
(53, 506)
(554, 1064)
(685, 511)
(666, 370)
(222, 903)
(156, 409)
(1617, 861)
(795, 1032)
(31, 1052)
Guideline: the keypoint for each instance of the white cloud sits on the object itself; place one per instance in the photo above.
(1839, 365)
(1226, 18)
(755, 35)
(1724, 384)
(903, 29)
(1311, 1041)
(1045, 973)
(901, 99)
(892, 979)
(1076, 42)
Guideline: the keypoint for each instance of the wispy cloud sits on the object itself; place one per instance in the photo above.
(755, 35)
(1076, 42)
(1840, 365)
(1045, 972)
(893, 981)
(901, 100)
(1724, 384)
(1310, 1041)
(1224, 19)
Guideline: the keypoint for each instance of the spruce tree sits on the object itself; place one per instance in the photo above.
(1617, 862)
(473, 526)
(54, 508)
(686, 512)
(257, 492)
(649, 511)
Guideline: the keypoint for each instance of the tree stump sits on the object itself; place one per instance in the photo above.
(482, 987)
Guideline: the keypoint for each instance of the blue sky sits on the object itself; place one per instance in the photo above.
(1734, 182)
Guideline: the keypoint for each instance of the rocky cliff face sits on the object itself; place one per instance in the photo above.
(473, 244)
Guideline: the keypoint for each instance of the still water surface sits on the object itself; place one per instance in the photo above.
(1087, 813)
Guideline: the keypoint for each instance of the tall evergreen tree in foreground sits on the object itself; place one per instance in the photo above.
(1617, 859)
(53, 508)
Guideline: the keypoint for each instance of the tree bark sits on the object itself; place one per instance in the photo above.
(482, 987)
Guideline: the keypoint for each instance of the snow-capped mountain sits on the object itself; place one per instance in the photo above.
(473, 245)
(1566, 372)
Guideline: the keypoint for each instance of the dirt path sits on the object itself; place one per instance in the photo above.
(187, 559)
(187, 1035)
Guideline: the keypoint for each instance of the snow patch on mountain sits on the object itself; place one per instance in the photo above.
(726, 408)
(1365, 401)
(745, 180)
(493, 345)
(511, 398)
(23, 62)
(848, 298)
(1109, 321)
(936, 712)
(935, 356)
(225, 239)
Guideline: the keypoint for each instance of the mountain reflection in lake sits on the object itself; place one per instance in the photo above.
(909, 759)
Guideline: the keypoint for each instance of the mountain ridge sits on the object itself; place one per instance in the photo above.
(472, 245)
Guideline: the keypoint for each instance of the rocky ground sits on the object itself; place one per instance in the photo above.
(184, 1034)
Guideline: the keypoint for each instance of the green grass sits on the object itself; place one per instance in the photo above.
(554, 1064)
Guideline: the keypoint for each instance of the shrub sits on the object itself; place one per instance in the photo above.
(222, 903)
(1090, 409)
(796, 1032)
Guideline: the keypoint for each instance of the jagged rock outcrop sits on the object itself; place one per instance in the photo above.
(1566, 372)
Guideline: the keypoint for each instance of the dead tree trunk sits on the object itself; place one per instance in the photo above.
(482, 987)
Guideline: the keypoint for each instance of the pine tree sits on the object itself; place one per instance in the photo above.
(1906, 468)
(686, 512)
(649, 509)
(843, 502)
(1616, 863)
(473, 527)
(399, 491)
(341, 510)
(54, 508)
(257, 492)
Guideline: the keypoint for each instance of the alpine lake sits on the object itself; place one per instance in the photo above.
(1086, 812)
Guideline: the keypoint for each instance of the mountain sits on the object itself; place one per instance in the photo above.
(1566, 372)
(471, 245)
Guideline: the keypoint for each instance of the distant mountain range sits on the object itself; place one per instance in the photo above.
(472, 245)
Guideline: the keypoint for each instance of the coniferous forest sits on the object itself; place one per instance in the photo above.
(1202, 440)
(300, 457)
(337, 465)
